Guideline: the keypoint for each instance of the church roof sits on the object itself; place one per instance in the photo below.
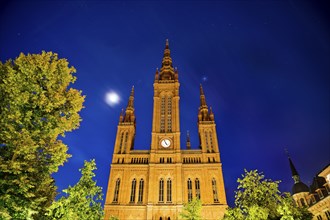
(299, 187)
(318, 183)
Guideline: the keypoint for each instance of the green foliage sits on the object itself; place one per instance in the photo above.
(192, 210)
(82, 201)
(259, 198)
(36, 106)
(289, 211)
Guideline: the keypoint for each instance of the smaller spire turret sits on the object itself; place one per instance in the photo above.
(121, 117)
(202, 96)
(203, 111)
(156, 74)
(188, 141)
(176, 75)
(211, 114)
(129, 112)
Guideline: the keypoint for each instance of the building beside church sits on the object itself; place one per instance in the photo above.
(317, 196)
(154, 184)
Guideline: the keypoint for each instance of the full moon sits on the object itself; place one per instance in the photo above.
(112, 98)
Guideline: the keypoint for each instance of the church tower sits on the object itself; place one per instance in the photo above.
(154, 184)
(300, 190)
(165, 121)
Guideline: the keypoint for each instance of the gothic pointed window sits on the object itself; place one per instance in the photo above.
(189, 190)
(116, 193)
(197, 188)
(121, 142)
(132, 198)
(162, 115)
(215, 191)
(169, 190)
(211, 140)
(206, 141)
(169, 114)
(141, 186)
(125, 143)
(161, 190)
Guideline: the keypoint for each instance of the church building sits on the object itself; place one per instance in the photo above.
(155, 183)
(316, 197)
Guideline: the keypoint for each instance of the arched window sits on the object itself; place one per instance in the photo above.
(320, 194)
(115, 197)
(169, 190)
(189, 190)
(198, 189)
(141, 186)
(302, 202)
(215, 191)
(161, 190)
(132, 198)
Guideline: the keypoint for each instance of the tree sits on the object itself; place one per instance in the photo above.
(289, 211)
(192, 210)
(37, 105)
(259, 198)
(82, 201)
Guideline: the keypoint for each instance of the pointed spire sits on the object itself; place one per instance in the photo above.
(202, 96)
(129, 112)
(201, 89)
(203, 114)
(167, 70)
(131, 99)
(294, 171)
(188, 141)
(298, 186)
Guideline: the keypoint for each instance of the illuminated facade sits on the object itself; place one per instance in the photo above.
(155, 183)
(317, 196)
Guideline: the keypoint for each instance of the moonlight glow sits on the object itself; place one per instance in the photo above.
(112, 98)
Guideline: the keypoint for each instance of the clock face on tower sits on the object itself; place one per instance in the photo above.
(165, 143)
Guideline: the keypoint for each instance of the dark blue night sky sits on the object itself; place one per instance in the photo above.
(264, 66)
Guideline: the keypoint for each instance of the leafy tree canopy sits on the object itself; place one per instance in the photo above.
(192, 210)
(259, 198)
(82, 201)
(37, 105)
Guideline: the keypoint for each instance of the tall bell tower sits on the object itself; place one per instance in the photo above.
(155, 183)
(165, 121)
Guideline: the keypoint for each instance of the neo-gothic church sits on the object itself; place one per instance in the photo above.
(154, 183)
